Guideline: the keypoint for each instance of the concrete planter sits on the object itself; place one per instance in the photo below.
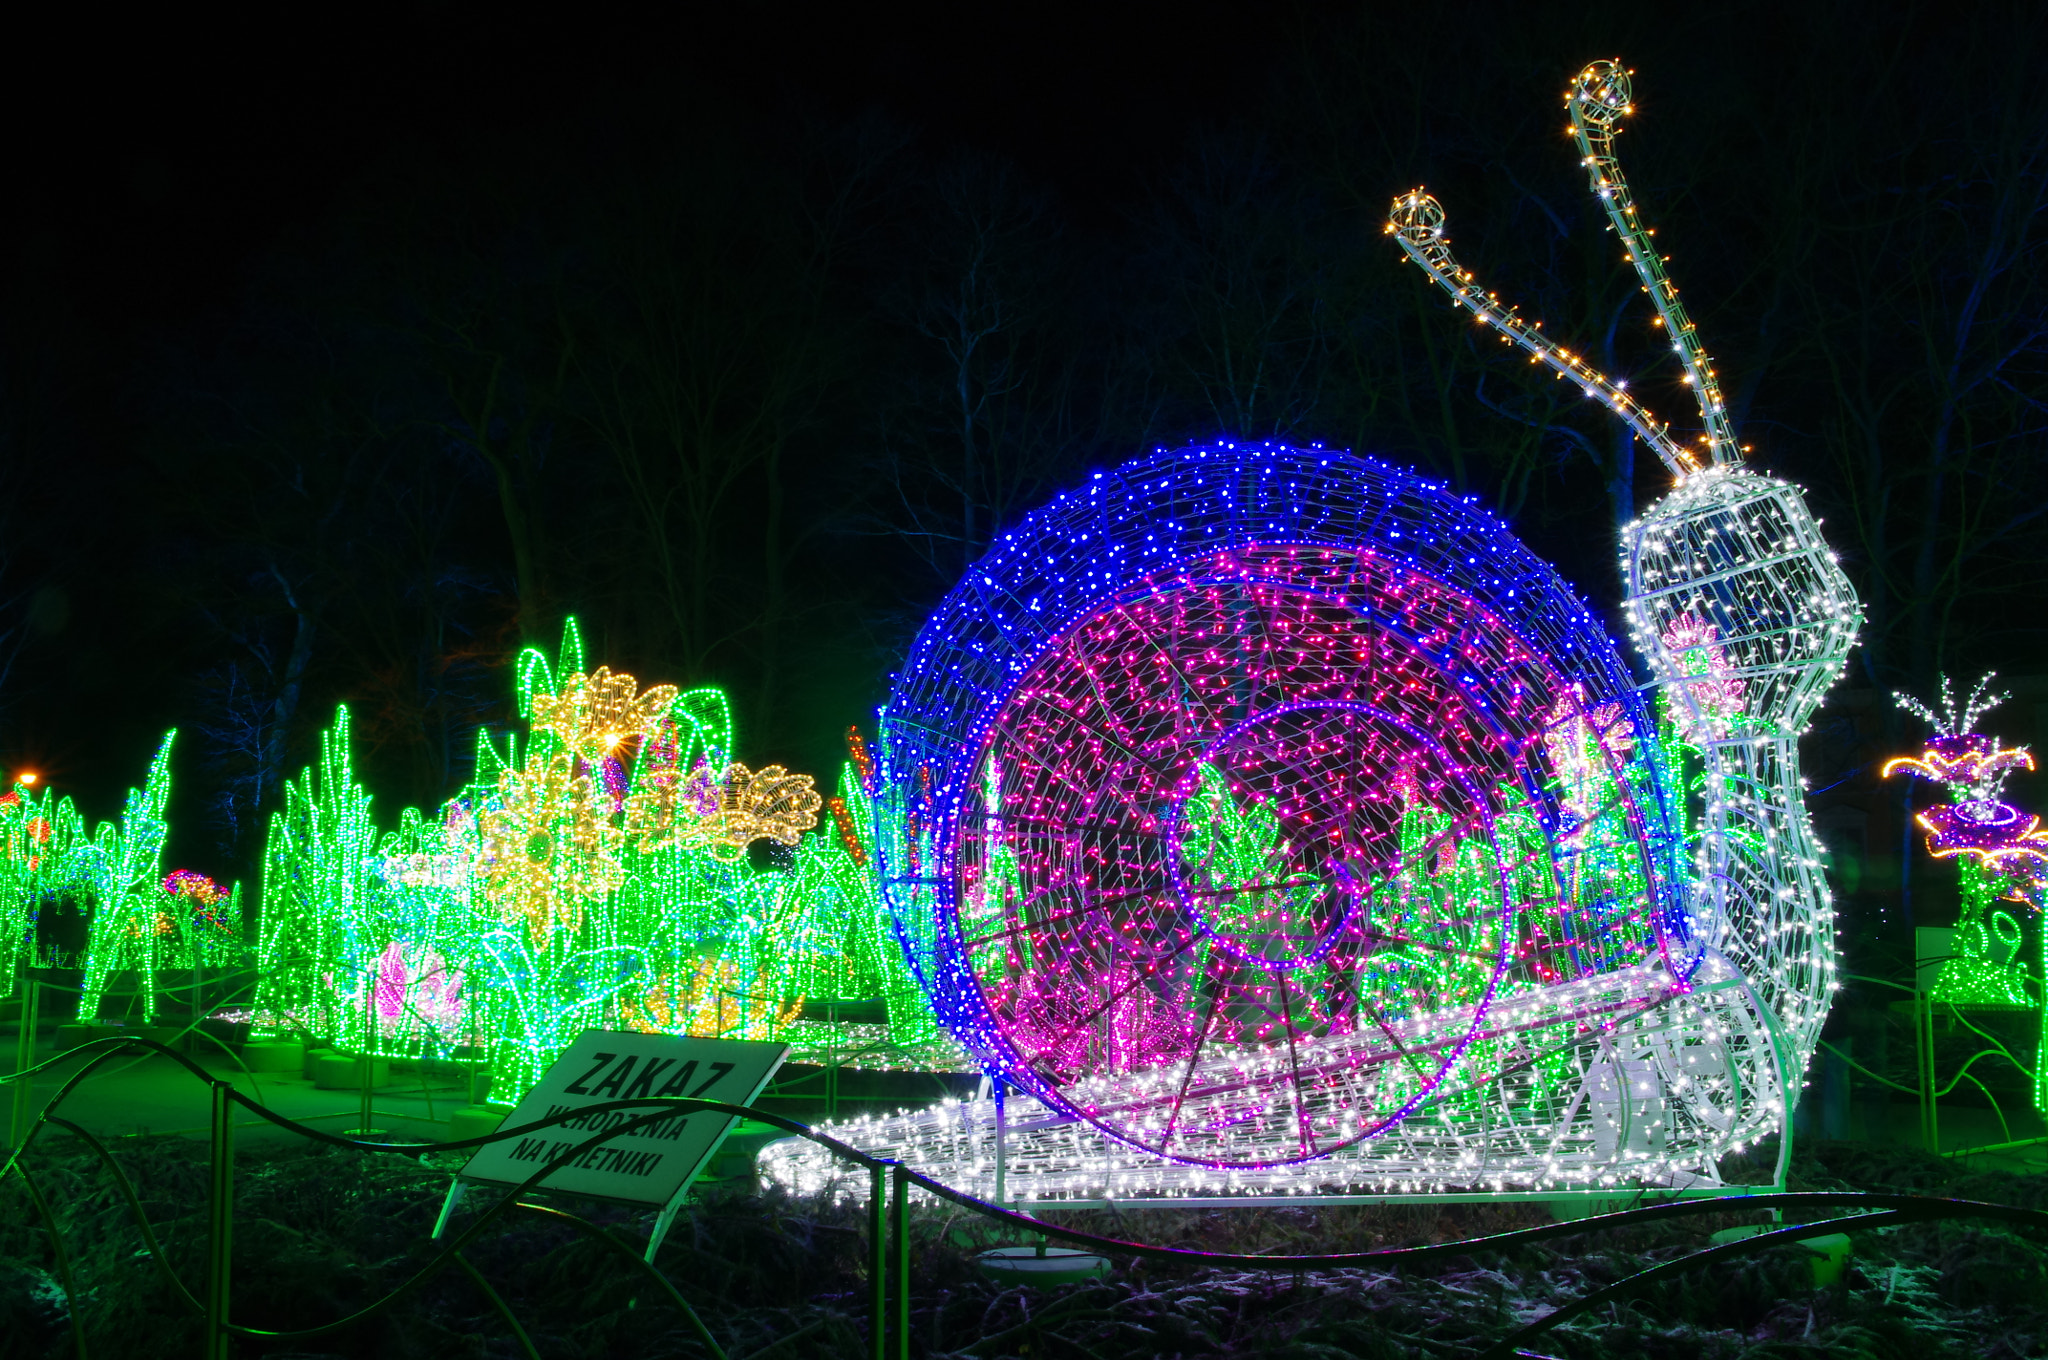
(344, 1072)
(1829, 1253)
(1041, 1266)
(274, 1055)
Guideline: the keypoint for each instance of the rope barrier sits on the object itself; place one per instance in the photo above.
(889, 1296)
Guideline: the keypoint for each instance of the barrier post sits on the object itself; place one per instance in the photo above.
(997, 1089)
(878, 1259)
(220, 1213)
(366, 1064)
(25, 1058)
(1923, 1046)
(899, 1213)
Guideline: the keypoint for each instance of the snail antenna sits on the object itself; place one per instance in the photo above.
(1598, 99)
(1416, 221)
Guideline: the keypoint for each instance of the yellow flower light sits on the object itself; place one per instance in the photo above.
(547, 848)
(594, 715)
(715, 1001)
(768, 804)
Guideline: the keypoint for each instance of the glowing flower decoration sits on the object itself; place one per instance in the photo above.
(447, 871)
(715, 1001)
(547, 848)
(651, 808)
(1586, 747)
(1953, 717)
(594, 715)
(1713, 693)
(155, 923)
(1963, 758)
(2022, 870)
(1980, 827)
(701, 793)
(194, 887)
(433, 995)
(766, 804)
(613, 772)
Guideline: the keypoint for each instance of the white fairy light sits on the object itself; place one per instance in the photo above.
(1644, 1072)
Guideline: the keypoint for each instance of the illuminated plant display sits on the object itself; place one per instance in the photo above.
(1271, 817)
(144, 921)
(140, 921)
(337, 922)
(2000, 852)
(37, 833)
(596, 872)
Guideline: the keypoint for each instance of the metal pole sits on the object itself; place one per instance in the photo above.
(1002, 1146)
(1920, 1063)
(899, 1213)
(878, 1258)
(1924, 1045)
(475, 1052)
(25, 1058)
(364, 1126)
(220, 1213)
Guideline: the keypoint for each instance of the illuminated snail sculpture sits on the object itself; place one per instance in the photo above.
(1273, 820)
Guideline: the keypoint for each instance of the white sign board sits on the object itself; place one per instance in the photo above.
(652, 1164)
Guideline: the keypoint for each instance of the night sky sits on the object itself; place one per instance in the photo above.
(184, 191)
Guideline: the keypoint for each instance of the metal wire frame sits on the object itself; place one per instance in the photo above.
(889, 1245)
(214, 1305)
(1598, 99)
(1742, 554)
(1730, 549)
(1666, 1081)
(1727, 556)
(1346, 563)
(1416, 222)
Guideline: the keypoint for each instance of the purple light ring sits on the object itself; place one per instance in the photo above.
(986, 1024)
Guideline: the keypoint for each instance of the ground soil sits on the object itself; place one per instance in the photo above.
(322, 1232)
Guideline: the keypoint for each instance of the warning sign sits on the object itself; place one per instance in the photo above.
(652, 1164)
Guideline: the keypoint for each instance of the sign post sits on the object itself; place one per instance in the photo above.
(651, 1166)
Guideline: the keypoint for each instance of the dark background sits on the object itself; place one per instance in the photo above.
(341, 358)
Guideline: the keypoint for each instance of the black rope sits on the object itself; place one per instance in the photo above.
(1870, 1210)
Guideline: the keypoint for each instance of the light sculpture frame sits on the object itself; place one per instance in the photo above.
(1677, 1027)
(140, 922)
(2000, 852)
(594, 872)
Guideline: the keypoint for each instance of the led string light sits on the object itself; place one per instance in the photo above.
(1416, 222)
(745, 806)
(1217, 603)
(37, 830)
(1740, 554)
(2000, 852)
(1201, 782)
(136, 925)
(1598, 99)
(594, 873)
(1714, 693)
(142, 920)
